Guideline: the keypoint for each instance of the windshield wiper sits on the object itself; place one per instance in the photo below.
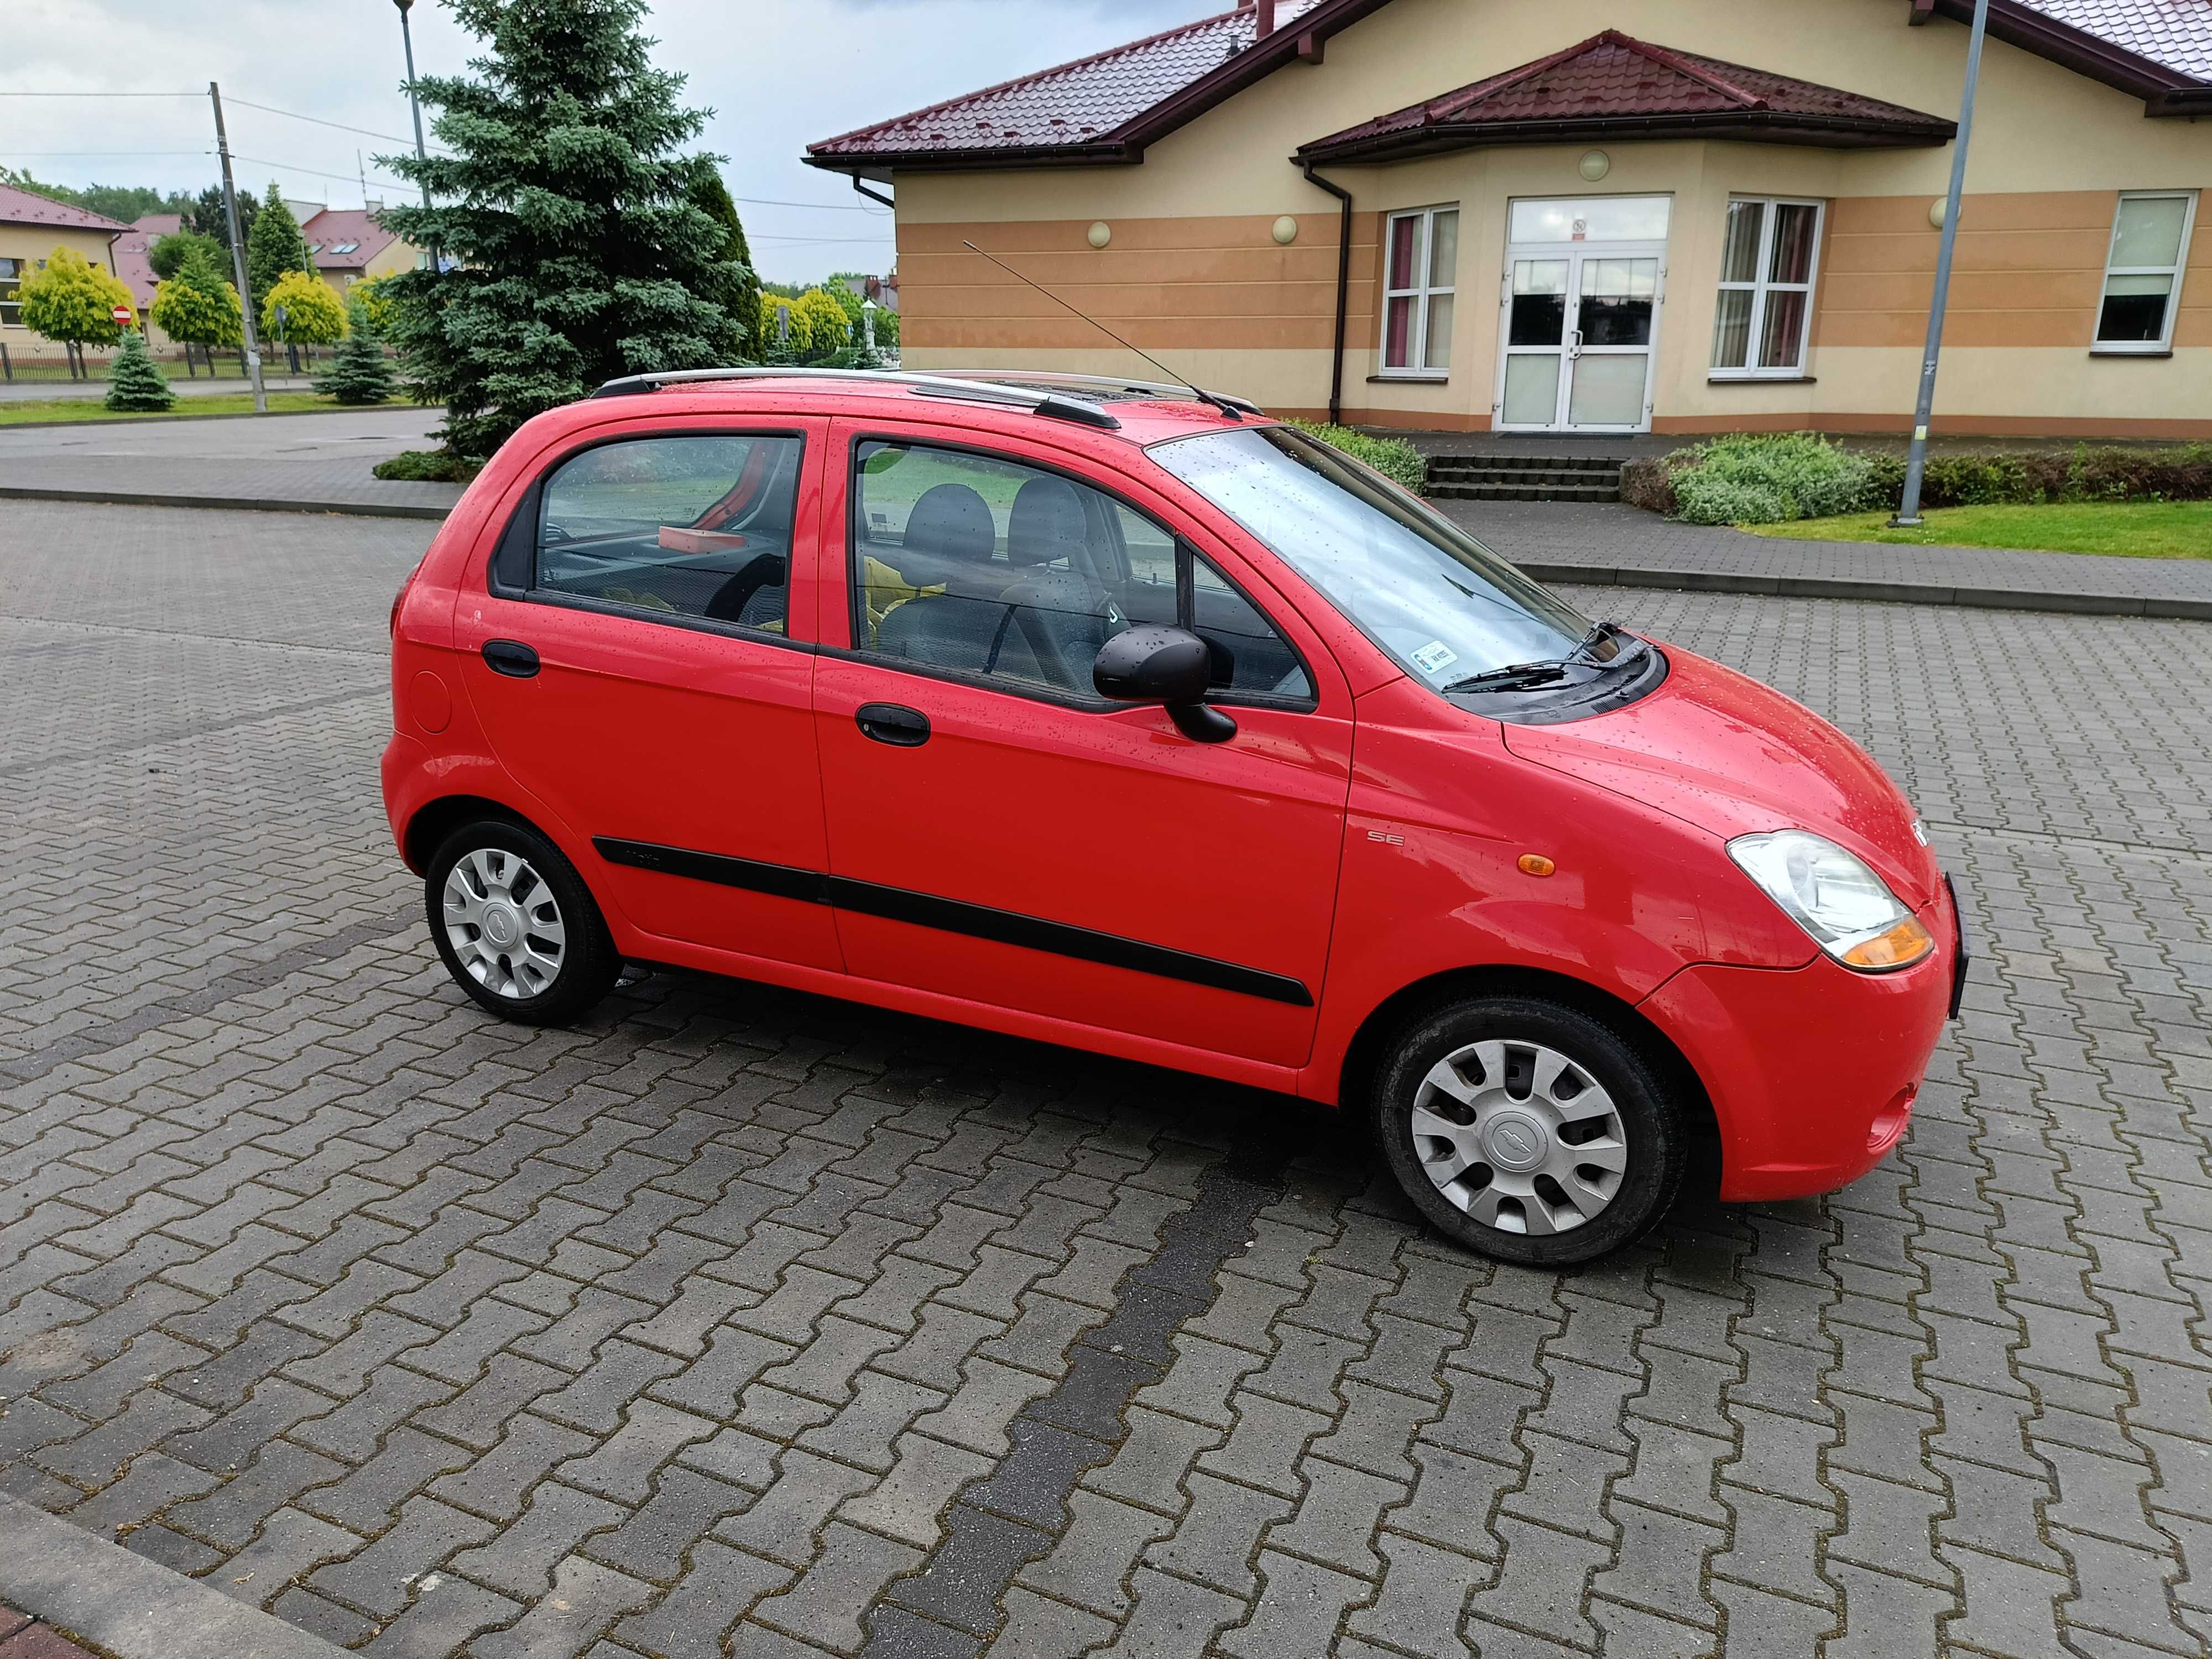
(1600, 632)
(1510, 677)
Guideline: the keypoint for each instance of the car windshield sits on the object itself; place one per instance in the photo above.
(1437, 600)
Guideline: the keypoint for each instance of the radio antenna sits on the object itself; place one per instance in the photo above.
(1211, 398)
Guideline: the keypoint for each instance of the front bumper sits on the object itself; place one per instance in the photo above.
(1812, 1072)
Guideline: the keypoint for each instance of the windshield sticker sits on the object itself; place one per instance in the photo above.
(1435, 657)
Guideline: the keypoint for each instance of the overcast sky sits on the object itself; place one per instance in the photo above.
(777, 73)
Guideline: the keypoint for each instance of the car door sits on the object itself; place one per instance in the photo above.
(1001, 834)
(641, 666)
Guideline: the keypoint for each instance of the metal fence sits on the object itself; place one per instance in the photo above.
(51, 363)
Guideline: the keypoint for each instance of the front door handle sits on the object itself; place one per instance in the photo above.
(511, 658)
(893, 723)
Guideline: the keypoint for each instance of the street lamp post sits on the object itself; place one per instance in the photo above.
(1908, 511)
(407, 39)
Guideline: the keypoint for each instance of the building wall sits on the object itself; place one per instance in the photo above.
(1192, 274)
(32, 243)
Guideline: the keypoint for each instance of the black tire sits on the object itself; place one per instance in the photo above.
(519, 981)
(1642, 1131)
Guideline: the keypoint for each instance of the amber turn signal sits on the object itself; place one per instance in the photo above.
(1535, 864)
(1893, 947)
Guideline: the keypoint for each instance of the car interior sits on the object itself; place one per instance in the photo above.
(694, 526)
(1033, 591)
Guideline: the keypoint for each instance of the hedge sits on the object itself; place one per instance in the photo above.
(1393, 458)
(1768, 478)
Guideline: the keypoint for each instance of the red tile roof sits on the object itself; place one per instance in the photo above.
(1108, 106)
(2176, 33)
(24, 207)
(131, 249)
(1611, 85)
(333, 228)
(1085, 105)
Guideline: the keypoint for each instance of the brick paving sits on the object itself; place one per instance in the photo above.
(736, 1322)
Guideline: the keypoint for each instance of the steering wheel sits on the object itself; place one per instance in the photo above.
(730, 599)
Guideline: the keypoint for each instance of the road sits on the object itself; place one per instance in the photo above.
(739, 1312)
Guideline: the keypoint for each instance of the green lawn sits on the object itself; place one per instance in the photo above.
(28, 412)
(2135, 529)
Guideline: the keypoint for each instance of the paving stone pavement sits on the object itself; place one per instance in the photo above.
(734, 1321)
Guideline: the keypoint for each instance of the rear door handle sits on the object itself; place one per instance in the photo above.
(511, 658)
(893, 723)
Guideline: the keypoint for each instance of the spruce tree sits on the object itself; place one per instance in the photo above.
(273, 246)
(135, 380)
(359, 374)
(570, 251)
(712, 196)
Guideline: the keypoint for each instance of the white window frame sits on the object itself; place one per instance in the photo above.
(1760, 286)
(1421, 294)
(2163, 346)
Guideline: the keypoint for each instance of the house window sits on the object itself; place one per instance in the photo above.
(2143, 269)
(1769, 255)
(11, 280)
(1421, 248)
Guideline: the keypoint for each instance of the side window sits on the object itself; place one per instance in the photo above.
(691, 525)
(988, 566)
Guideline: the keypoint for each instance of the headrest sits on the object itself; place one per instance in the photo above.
(1046, 522)
(950, 521)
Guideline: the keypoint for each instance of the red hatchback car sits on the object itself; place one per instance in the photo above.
(1121, 717)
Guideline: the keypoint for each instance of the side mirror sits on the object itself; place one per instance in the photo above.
(1171, 666)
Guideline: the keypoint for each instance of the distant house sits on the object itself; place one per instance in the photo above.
(1680, 217)
(31, 228)
(131, 263)
(348, 245)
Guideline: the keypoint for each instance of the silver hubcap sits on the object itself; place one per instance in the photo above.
(503, 923)
(1519, 1137)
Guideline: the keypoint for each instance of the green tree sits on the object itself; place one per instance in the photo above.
(374, 296)
(198, 306)
(206, 216)
(712, 196)
(570, 250)
(274, 245)
(135, 380)
(819, 326)
(122, 202)
(313, 314)
(360, 374)
(168, 252)
(73, 301)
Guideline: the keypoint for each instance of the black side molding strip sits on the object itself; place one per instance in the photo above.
(957, 916)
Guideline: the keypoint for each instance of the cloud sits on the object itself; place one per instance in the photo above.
(778, 74)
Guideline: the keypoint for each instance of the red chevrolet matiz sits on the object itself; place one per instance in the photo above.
(1123, 717)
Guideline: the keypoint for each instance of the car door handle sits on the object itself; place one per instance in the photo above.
(511, 658)
(893, 723)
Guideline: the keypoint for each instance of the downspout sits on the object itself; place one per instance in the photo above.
(872, 195)
(1343, 288)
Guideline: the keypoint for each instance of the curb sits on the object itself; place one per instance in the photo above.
(128, 1607)
(227, 503)
(1836, 587)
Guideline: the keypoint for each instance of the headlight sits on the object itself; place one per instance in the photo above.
(1847, 909)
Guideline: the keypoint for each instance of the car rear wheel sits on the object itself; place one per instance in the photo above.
(1528, 1130)
(515, 925)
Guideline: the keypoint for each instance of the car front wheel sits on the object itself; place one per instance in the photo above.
(515, 925)
(1528, 1130)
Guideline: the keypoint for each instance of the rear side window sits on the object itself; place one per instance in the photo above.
(682, 526)
(991, 567)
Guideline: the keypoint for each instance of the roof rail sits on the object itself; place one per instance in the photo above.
(927, 385)
(1175, 389)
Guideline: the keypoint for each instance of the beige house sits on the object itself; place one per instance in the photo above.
(31, 228)
(348, 245)
(1685, 215)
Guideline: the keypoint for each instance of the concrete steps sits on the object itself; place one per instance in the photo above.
(1521, 477)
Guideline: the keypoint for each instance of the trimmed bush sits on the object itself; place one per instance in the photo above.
(428, 466)
(1393, 458)
(1770, 479)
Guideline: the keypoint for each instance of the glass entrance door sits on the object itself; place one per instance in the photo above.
(1582, 293)
(1578, 329)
